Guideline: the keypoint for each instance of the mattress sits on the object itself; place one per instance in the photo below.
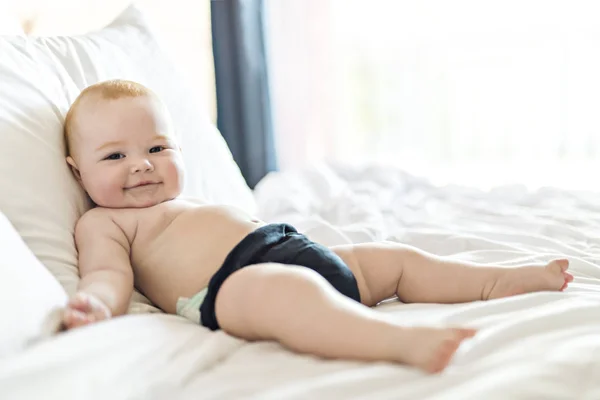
(534, 346)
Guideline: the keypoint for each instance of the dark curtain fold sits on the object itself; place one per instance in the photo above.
(243, 104)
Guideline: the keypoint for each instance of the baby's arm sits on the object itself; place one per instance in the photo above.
(106, 275)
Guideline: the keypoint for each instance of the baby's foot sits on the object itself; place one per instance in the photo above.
(431, 349)
(553, 276)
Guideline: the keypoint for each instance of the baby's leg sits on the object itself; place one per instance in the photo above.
(300, 309)
(387, 269)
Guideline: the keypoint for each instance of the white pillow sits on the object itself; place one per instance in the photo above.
(39, 78)
(28, 293)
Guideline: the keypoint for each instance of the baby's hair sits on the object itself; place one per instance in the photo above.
(106, 90)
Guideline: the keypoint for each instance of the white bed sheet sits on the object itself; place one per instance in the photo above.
(536, 346)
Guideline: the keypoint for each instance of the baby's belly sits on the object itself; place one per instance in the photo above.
(180, 261)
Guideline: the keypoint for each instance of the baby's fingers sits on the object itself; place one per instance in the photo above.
(80, 302)
(85, 309)
(74, 318)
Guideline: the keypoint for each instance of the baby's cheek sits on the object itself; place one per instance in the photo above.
(98, 193)
(114, 188)
(176, 174)
(108, 190)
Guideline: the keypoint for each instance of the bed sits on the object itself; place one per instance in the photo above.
(535, 346)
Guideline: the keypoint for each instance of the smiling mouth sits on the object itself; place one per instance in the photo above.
(142, 185)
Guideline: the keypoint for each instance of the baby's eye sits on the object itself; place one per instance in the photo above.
(115, 156)
(156, 149)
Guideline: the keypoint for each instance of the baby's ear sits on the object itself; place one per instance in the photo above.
(74, 168)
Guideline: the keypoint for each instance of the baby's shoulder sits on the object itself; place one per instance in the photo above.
(104, 217)
(94, 215)
(106, 222)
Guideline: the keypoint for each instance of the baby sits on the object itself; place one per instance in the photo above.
(254, 280)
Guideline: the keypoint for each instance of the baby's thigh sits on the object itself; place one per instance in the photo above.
(252, 299)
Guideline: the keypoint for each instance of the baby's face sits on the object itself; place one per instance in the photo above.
(126, 154)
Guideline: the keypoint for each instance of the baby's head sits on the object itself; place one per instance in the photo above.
(121, 146)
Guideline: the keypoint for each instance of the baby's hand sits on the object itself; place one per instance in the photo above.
(83, 309)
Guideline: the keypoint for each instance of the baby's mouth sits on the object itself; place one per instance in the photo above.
(142, 184)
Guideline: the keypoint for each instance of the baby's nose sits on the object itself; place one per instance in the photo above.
(142, 165)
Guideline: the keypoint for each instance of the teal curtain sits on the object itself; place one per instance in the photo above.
(243, 103)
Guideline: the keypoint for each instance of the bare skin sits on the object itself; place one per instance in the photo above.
(175, 246)
(143, 234)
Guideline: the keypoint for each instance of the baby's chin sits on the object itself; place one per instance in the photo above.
(142, 197)
(141, 203)
(144, 204)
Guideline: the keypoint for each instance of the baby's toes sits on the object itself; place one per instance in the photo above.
(558, 267)
(568, 277)
(564, 264)
(443, 354)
